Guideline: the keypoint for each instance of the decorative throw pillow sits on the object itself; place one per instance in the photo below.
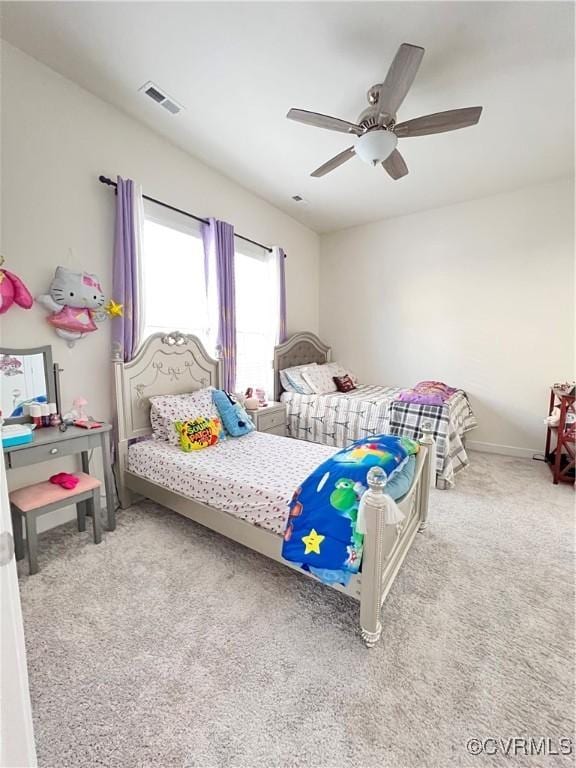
(198, 433)
(166, 409)
(340, 370)
(344, 383)
(319, 379)
(235, 419)
(355, 379)
(292, 380)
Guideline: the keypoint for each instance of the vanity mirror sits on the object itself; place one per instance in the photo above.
(26, 376)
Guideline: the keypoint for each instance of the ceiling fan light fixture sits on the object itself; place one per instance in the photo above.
(377, 131)
(375, 146)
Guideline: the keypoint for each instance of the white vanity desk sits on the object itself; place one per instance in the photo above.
(29, 375)
(49, 443)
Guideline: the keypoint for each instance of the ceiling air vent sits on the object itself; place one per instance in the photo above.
(160, 97)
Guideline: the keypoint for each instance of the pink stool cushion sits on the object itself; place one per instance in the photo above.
(41, 494)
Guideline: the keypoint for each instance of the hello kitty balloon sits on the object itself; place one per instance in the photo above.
(76, 303)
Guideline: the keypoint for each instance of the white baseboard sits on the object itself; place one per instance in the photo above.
(502, 450)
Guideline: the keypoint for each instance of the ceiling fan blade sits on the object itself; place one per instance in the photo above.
(400, 77)
(395, 166)
(439, 122)
(334, 163)
(324, 121)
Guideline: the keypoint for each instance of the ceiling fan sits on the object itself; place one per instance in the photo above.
(377, 131)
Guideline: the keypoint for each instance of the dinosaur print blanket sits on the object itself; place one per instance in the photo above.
(321, 533)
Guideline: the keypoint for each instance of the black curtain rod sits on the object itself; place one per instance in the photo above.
(110, 183)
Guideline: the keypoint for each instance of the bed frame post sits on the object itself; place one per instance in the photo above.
(378, 542)
(121, 453)
(125, 497)
(428, 474)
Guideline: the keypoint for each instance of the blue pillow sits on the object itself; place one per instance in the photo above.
(401, 481)
(235, 419)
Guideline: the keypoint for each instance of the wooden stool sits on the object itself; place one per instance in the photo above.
(34, 500)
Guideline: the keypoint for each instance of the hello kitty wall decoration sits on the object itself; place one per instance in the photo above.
(76, 302)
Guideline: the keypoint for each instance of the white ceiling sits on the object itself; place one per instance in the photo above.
(238, 67)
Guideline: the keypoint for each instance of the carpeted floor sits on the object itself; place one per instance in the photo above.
(168, 645)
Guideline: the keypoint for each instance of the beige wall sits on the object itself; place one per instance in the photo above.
(56, 140)
(479, 294)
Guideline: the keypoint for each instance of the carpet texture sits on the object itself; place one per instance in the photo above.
(167, 645)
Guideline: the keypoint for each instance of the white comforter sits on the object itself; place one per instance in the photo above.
(252, 477)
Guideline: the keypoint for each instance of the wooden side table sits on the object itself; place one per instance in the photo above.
(271, 418)
(561, 457)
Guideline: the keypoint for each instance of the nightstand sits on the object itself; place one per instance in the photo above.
(271, 418)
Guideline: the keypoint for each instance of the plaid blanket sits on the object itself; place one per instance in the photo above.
(340, 418)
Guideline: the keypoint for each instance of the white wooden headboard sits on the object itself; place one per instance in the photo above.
(167, 364)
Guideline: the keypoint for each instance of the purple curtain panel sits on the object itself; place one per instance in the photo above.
(218, 237)
(125, 329)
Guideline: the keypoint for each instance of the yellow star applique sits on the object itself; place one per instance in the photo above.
(312, 542)
(114, 309)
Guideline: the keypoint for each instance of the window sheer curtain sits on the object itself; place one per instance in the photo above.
(218, 237)
(173, 256)
(279, 260)
(126, 275)
(260, 314)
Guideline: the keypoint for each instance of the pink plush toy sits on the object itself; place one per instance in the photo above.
(13, 291)
(66, 480)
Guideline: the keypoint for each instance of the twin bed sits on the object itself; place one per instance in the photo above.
(338, 418)
(241, 487)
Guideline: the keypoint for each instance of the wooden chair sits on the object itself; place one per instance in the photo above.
(32, 501)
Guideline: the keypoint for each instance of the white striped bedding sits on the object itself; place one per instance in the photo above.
(338, 419)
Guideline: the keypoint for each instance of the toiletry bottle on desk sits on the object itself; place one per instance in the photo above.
(36, 415)
(55, 419)
(45, 412)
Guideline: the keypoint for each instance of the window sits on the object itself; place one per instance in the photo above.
(174, 293)
(257, 316)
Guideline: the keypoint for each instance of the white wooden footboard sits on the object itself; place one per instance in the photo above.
(386, 545)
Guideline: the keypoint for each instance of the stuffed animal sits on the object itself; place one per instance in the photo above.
(13, 291)
(76, 302)
(236, 421)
